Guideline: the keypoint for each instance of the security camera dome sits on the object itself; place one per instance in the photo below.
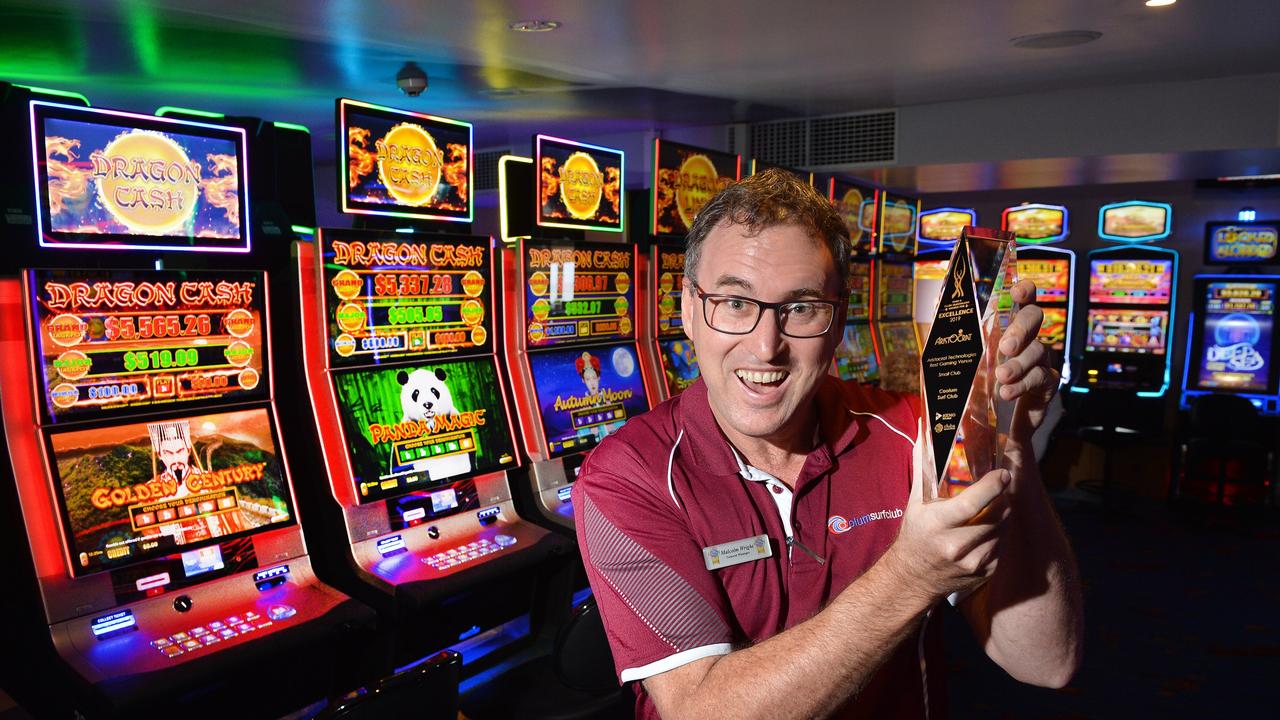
(411, 79)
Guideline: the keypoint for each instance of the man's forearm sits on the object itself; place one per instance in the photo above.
(809, 670)
(1029, 615)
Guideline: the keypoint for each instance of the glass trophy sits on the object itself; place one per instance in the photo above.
(967, 422)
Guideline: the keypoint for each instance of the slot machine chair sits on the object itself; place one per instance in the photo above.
(1102, 417)
(1221, 429)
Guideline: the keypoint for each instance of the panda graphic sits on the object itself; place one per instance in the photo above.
(423, 396)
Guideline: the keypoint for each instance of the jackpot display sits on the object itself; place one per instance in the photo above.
(1135, 221)
(684, 179)
(1237, 341)
(578, 186)
(1241, 243)
(584, 291)
(421, 426)
(857, 208)
(1052, 277)
(391, 296)
(1036, 224)
(114, 181)
(403, 164)
(149, 489)
(943, 225)
(1131, 282)
(117, 341)
(584, 394)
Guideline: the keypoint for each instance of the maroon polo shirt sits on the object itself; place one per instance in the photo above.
(668, 484)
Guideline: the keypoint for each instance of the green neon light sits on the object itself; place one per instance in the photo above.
(165, 110)
(292, 126)
(145, 36)
(57, 93)
(303, 229)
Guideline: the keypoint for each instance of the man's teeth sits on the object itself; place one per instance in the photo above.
(772, 376)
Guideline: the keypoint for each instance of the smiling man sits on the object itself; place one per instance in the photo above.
(759, 546)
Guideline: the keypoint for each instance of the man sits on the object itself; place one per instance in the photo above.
(759, 546)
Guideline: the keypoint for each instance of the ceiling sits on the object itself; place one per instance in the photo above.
(612, 66)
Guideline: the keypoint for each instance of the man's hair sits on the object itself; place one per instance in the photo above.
(768, 199)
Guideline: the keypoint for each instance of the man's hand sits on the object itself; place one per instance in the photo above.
(1025, 375)
(949, 545)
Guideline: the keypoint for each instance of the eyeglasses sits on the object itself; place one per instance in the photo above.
(736, 315)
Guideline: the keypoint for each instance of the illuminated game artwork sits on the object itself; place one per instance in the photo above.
(578, 292)
(943, 225)
(114, 180)
(392, 296)
(1242, 243)
(684, 179)
(1053, 331)
(679, 364)
(857, 208)
(148, 489)
(669, 261)
(1237, 344)
(897, 219)
(420, 426)
(1131, 282)
(1051, 276)
(403, 164)
(111, 341)
(856, 355)
(895, 283)
(901, 355)
(584, 394)
(578, 185)
(1135, 221)
(1036, 224)
(1125, 330)
(859, 291)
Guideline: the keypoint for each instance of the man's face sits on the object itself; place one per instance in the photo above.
(761, 384)
(173, 453)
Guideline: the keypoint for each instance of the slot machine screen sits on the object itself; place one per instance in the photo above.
(582, 291)
(579, 186)
(856, 355)
(1241, 243)
(584, 394)
(895, 289)
(403, 164)
(392, 296)
(1236, 347)
(1127, 330)
(422, 426)
(1036, 224)
(859, 291)
(112, 180)
(142, 490)
(943, 225)
(679, 364)
(110, 342)
(857, 208)
(1052, 278)
(669, 261)
(684, 179)
(1135, 221)
(1053, 331)
(1131, 282)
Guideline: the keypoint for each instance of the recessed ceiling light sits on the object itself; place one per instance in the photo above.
(1160, 3)
(1050, 41)
(534, 25)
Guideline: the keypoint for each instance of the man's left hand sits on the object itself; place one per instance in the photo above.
(1025, 375)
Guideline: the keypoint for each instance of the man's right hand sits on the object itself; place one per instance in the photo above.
(949, 545)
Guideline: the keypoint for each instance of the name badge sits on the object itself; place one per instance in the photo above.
(737, 552)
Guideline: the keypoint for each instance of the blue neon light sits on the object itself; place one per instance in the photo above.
(1247, 215)
(489, 512)
(565, 493)
(272, 572)
(116, 622)
(1105, 209)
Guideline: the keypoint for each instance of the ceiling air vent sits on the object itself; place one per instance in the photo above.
(487, 168)
(784, 142)
(870, 137)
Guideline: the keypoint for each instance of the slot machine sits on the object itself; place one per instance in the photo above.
(893, 275)
(684, 179)
(1129, 316)
(855, 357)
(936, 234)
(571, 313)
(1052, 269)
(406, 402)
(1233, 341)
(167, 565)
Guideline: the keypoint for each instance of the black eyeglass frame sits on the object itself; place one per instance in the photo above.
(761, 306)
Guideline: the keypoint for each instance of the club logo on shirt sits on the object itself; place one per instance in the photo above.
(838, 524)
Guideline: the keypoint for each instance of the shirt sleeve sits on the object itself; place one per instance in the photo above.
(661, 607)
